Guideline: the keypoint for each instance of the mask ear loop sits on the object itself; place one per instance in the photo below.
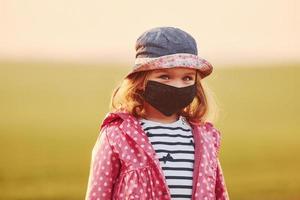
(196, 78)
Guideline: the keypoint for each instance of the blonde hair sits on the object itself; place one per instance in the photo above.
(127, 97)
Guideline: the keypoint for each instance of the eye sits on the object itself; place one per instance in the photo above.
(188, 78)
(165, 77)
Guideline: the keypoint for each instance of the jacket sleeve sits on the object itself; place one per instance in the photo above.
(220, 188)
(104, 168)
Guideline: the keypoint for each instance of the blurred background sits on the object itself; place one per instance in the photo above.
(60, 61)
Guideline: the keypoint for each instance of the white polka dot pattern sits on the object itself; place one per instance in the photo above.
(124, 166)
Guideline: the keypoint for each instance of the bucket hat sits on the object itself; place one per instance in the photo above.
(168, 47)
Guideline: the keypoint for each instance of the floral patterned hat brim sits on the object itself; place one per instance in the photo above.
(173, 60)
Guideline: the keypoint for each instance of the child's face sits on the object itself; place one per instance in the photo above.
(177, 77)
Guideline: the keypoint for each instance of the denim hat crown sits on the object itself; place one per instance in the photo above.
(168, 47)
(163, 41)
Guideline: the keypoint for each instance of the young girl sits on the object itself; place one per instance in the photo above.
(155, 143)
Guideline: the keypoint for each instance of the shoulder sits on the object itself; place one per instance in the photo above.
(214, 132)
(109, 125)
(110, 119)
(210, 127)
(114, 122)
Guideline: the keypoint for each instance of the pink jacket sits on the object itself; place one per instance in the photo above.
(124, 165)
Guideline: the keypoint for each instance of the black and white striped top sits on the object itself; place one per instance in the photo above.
(174, 146)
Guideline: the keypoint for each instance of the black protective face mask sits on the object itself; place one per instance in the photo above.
(168, 99)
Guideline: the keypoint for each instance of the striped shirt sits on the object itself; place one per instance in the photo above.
(174, 146)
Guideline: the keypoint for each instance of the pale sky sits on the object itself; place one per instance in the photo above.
(226, 31)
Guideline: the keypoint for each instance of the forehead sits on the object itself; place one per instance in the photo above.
(180, 70)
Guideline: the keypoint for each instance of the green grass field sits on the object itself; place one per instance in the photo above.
(50, 115)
